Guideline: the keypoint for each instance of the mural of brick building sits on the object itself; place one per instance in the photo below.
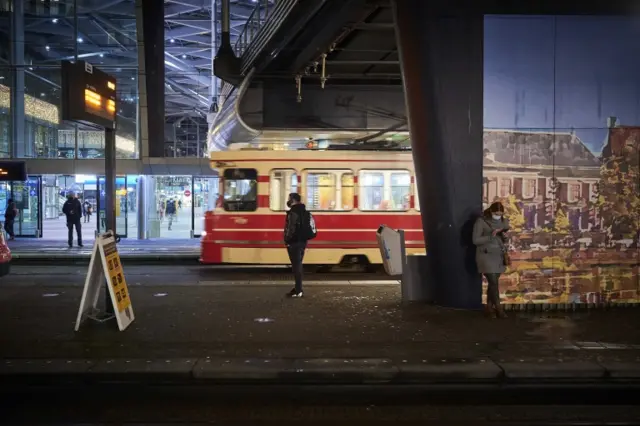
(544, 171)
(575, 215)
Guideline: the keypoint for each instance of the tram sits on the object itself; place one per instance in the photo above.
(350, 193)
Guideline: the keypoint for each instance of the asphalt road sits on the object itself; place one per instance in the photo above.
(74, 275)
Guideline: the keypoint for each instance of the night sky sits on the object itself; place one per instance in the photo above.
(562, 72)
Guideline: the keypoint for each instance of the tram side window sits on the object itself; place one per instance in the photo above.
(282, 182)
(388, 190)
(240, 190)
(331, 190)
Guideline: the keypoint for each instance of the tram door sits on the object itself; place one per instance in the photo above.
(28, 198)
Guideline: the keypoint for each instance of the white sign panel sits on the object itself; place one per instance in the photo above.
(105, 265)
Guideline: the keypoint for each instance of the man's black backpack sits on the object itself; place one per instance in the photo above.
(308, 229)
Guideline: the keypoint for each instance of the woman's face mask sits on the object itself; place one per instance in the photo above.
(496, 216)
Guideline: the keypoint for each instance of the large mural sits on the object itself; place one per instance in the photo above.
(561, 151)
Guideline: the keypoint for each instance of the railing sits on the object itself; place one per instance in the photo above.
(255, 22)
(261, 26)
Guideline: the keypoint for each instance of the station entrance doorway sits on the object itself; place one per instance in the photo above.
(90, 191)
(27, 196)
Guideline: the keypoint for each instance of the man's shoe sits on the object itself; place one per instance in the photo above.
(80, 245)
(294, 293)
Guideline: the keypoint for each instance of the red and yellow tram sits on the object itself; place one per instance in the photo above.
(351, 193)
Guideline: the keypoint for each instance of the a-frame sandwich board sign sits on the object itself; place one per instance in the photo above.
(105, 265)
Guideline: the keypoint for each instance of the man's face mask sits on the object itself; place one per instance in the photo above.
(289, 203)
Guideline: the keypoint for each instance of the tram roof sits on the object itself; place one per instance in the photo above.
(309, 154)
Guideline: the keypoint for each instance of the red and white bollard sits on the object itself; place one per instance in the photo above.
(5, 256)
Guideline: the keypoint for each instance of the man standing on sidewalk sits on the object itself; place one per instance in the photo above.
(170, 211)
(295, 238)
(72, 209)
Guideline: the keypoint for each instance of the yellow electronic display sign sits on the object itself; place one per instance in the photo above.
(116, 277)
(99, 105)
(88, 94)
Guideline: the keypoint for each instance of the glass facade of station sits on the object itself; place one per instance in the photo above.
(40, 199)
(36, 38)
(30, 92)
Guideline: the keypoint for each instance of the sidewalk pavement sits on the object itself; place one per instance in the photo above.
(25, 251)
(336, 334)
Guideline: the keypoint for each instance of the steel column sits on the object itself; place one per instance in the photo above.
(18, 148)
(441, 56)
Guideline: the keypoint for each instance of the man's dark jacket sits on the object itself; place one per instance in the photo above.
(72, 209)
(293, 224)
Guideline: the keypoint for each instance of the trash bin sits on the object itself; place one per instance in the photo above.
(5, 256)
(416, 285)
(391, 244)
(412, 269)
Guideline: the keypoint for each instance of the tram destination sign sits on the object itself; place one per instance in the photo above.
(88, 94)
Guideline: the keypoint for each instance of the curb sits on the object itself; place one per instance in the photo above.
(82, 258)
(315, 371)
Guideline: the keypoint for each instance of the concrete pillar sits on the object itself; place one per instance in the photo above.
(151, 209)
(150, 33)
(18, 148)
(441, 55)
(141, 211)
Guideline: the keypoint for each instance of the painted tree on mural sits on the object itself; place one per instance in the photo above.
(561, 223)
(515, 214)
(618, 196)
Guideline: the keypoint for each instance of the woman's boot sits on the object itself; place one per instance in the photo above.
(489, 311)
(500, 312)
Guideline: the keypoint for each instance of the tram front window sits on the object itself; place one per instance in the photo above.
(240, 190)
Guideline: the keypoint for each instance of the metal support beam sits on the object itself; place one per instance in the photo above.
(339, 62)
(213, 89)
(17, 79)
(373, 26)
(113, 27)
(442, 67)
(226, 17)
(110, 179)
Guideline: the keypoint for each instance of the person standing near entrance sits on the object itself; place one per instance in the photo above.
(299, 228)
(170, 211)
(9, 219)
(87, 209)
(72, 209)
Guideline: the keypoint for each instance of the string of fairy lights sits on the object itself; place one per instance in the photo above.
(49, 113)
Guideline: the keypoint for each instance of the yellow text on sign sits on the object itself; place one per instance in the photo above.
(118, 282)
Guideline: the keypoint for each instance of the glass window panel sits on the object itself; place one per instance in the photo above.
(388, 190)
(282, 182)
(320, 191)
(324, 190)
(400, 191)
(348, 191)
(371, 190)
(240, 190)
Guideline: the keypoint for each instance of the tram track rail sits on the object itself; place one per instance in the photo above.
(370, 405)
